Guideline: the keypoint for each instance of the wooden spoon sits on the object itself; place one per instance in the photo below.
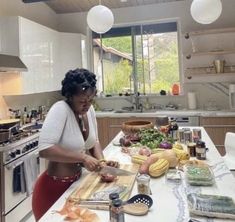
(136, 209)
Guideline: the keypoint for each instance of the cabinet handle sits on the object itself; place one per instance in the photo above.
(219, 145)
(219, 126)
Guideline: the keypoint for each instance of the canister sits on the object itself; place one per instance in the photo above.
(143, 181)
(187, 137)
(192, 149)
(201, 150)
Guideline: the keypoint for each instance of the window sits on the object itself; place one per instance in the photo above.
(141, 58)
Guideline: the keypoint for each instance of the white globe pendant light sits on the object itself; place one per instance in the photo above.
(100, 19)
(206, 11)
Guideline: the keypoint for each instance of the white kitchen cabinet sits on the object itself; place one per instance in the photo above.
(201, 48)
(47, 53)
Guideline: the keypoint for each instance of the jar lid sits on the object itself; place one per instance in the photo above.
(143, 177)
(117, 203)
(113, 196)
(191, 145)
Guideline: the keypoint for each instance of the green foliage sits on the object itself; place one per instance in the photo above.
(117, 76)
(122, 44)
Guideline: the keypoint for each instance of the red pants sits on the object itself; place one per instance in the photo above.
(47, 191)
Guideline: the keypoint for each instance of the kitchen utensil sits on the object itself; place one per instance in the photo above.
(115, 171)
(137, 209)
(141, 198)
(91, 183)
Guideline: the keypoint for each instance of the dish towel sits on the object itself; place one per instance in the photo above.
(19, 178)
(31, 171)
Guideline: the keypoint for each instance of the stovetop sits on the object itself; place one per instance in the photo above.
(19, 147)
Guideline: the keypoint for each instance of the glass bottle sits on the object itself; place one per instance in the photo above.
(201, 150)
(112, 197)
(117, 214)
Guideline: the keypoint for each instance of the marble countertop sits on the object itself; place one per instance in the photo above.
(166, 196)
(204, 113)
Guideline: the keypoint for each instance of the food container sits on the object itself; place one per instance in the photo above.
(143, 181)
(132, 127)
(192, 149)
(199, 175)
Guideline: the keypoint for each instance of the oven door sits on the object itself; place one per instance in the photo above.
(15, 185)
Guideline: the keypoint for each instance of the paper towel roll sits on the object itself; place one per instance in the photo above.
(192, 103)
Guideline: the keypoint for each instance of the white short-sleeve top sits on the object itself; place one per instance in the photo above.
(61, 127)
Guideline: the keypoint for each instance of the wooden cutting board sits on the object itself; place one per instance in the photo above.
(91, 183)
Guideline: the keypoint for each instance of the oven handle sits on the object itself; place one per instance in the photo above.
(14, 164)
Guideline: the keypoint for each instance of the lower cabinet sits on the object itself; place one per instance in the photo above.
(217, 127)
(109, 127)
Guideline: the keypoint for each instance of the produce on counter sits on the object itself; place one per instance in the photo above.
(152, 138)
(128, 140)
(107, 178)
(145, 151)
(181, 154)
(165, 145)
(158, 168)
(138, 159)
(74, 212)
(170, 156)
(144, 168)
(178, 146)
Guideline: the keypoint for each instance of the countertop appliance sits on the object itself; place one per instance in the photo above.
(186, 120)
(15, 154)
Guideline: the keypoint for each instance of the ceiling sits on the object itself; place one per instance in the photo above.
(69, 6)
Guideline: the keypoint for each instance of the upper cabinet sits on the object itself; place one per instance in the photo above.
(209, 56)
(48, 54)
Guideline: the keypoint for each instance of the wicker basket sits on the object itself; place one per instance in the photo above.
(132, 127)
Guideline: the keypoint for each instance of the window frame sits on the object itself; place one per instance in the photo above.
(146, 22)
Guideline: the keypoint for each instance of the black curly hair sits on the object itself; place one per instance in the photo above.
(77, 81)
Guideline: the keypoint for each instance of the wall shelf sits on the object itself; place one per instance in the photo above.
(209, 78)
(209, 32)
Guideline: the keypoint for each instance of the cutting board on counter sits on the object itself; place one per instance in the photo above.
(91, 183)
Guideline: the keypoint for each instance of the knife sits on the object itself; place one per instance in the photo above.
(115, 171)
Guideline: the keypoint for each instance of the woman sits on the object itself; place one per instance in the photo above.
(68, 140)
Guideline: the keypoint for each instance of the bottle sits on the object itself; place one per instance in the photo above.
(25, 116)
(112, 197)
(117, 211)
(201, 150)
(175, 89)
(174, 130)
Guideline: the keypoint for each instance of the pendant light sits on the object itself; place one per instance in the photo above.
(100, 19)
(206, 11)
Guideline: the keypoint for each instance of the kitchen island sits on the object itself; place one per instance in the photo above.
(169, 200)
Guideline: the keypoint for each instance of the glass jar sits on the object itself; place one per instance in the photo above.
(117, 214)
(112, 196)
(143, 181)
(192, 149)
(201, 150)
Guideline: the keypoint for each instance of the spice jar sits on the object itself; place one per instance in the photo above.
(201, 150)
(192, 149)
(112, 197)
(143, 184)
(117, 214)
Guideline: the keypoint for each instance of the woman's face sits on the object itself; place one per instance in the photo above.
(82, 102)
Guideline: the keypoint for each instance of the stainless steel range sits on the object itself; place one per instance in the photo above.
(19, 168)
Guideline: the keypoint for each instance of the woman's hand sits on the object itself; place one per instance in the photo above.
(90, 162)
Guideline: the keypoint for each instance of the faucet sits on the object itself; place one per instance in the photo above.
(135, 99)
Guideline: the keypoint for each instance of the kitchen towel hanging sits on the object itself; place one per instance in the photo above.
(192, 103)
(19, 178)
(31, 171)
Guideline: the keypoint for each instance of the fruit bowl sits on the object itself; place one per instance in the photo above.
(132, 127)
